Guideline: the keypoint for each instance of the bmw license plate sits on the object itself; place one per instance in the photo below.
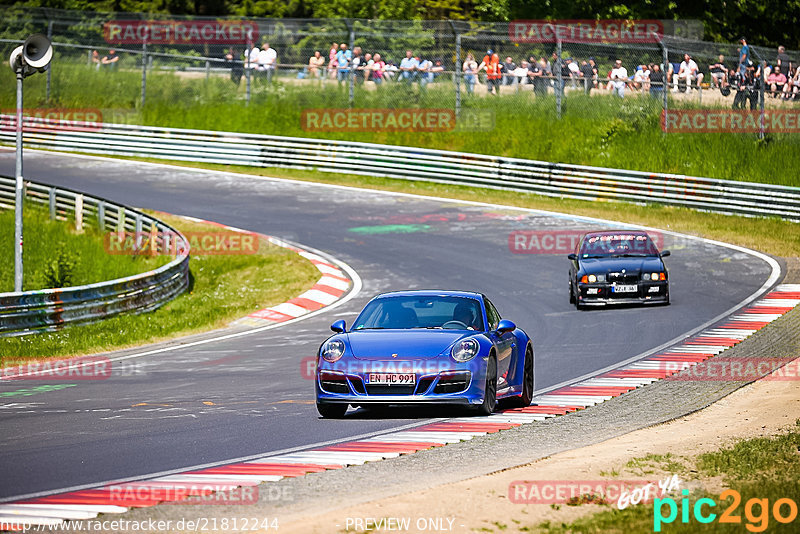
(625, 289)
(392, 379)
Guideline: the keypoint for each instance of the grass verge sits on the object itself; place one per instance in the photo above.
(225, 287)
(771, 235)
(56, 255)
(762, 470)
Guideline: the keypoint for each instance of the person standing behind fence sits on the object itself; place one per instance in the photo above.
(619, 78)
(378, 67)
(343, 57)
(315, 62)
(491, 62)
(470, 70)
(332, 61)
(744, 56)
(96, 59)
(587, 73)
(110, 60)
(267, 61)
(251, 59)
(656, 80)
(408, 67)
(235, 64)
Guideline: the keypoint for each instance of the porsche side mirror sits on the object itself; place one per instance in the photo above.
(505, 326)
(572, 256)
(665, 253)
(339, 326)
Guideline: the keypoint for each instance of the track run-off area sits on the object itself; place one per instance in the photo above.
(234, 397)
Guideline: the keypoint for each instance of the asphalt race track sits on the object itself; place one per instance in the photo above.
(246, 396)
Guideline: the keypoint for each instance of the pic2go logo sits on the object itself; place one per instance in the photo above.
(756, 511)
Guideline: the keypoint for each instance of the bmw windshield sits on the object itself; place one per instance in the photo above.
(432, 312)
(617, 245)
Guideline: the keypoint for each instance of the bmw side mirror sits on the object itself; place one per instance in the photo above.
(572, 256)
(339, 326)
(505, 326)
(665, 253)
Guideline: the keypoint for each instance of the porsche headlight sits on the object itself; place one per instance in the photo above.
(465, 350)
(333, 350)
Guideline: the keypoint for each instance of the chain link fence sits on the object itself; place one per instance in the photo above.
(124, 63)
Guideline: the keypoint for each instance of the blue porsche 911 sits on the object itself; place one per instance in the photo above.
(437, 347)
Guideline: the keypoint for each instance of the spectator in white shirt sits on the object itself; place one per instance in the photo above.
(267, 60)
(252, 58)
(619, 78)
(689, 71)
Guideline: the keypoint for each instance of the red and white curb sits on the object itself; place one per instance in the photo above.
(331, 287)
(118, 498)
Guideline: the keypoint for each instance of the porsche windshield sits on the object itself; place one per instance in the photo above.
(434, 312)
(616, 245)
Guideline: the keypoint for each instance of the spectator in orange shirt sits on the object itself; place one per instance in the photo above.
(491, 62)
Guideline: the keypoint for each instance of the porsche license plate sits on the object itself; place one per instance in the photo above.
(625, 289)
(392, 379)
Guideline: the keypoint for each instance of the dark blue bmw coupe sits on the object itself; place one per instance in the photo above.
(438, 347)
(618, 267)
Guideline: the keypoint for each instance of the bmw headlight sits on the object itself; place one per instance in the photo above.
(646, 276)
(592, 279)
(465, 350)
(333, 350)
(601, 278)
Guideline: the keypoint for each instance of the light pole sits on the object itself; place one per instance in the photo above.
(32, 57)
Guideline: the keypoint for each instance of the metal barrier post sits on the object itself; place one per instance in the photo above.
(52, 202)
(20, 194)
(101, 215)
(247, 71)
(208, 69)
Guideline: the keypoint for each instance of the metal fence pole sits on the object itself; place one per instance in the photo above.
(20, 191)
(351, 97)
(559, 78)
(144, 72)
(457, 74)
(761, 97)
(52, 203)
(208, 69)
(247, 70)
(49, 67)
(665, 101)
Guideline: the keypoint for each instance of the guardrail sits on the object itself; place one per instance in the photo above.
(539, 177)
(50, 309)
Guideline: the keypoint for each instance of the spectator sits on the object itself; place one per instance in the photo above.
(96, 59)
(437, 69)
(110, 60)
(783, 62)
(746, 87)
(565, 72)
(378, 66)
(535, 77)
(424, 73)
(689, 71)
(792, 87)
(719, 73)
(640, 77)
(507, 69)
(656, 80)
(408, 67)
(267, 59)
(775, 82)
(574, 72)
(343, 57)
(520, 74)
(547, 72)
(470, 70)
(744, 56)
(491, 62)
(235, 64)
(251, 59)
(619, 78)
(315, 62)
(358, 62)
(587, 73)
(332, 61)
(390, 71)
